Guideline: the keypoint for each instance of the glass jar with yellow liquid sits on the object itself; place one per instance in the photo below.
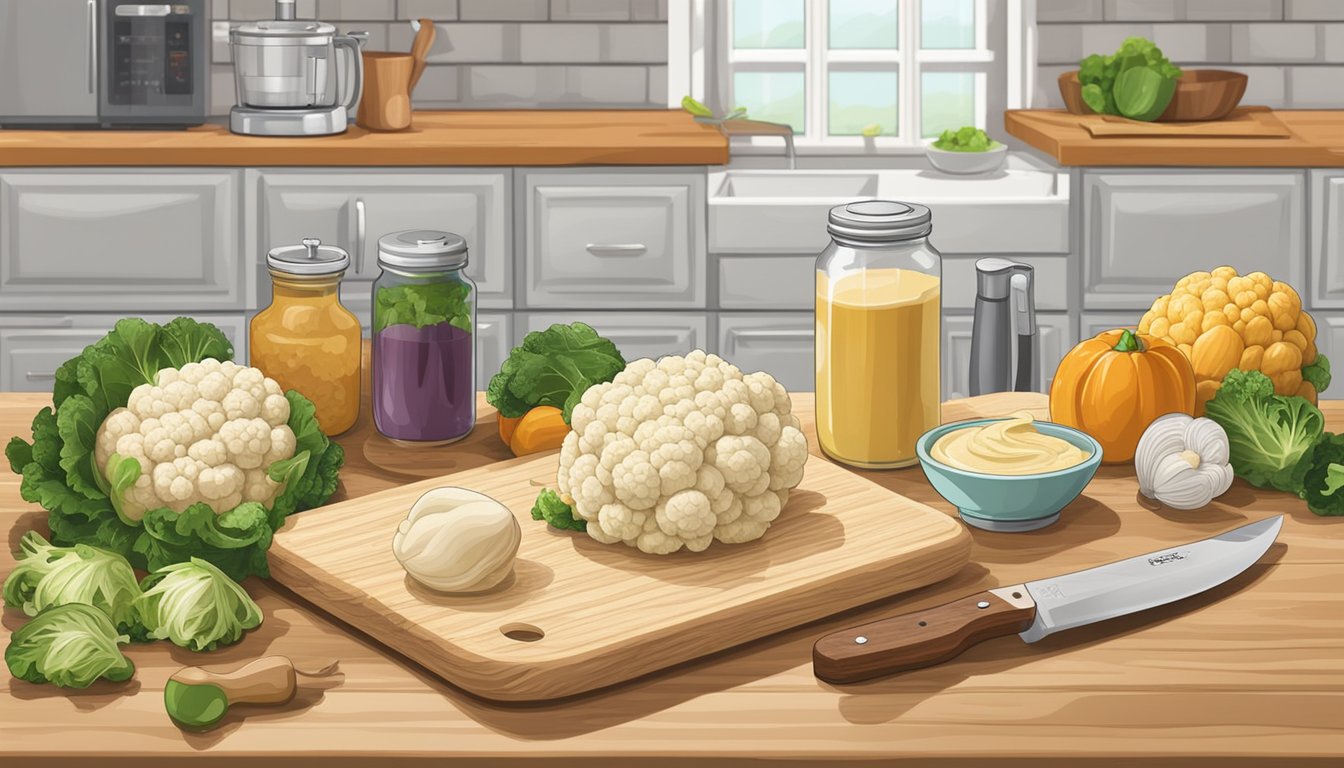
(306, 340)
(879, 317)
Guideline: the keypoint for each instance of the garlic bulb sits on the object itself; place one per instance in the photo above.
(457, 540)
(1182, 461)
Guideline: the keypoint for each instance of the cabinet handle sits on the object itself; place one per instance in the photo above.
(40, 375)
(359, 236)
(93, 41)
(616, 249)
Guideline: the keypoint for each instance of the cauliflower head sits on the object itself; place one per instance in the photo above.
(1222, 320)
(207, 432)
(681, 452)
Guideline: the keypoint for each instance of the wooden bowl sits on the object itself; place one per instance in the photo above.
(1201, 94)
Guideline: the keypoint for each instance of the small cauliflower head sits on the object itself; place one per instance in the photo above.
(206, 432)
(681, 452)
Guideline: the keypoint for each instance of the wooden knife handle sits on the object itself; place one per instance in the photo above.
(922, 638)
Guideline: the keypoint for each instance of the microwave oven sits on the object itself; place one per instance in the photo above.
(104, 63)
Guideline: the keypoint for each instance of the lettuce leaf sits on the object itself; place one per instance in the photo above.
(422, 305)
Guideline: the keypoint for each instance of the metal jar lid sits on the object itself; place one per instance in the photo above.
(311, 259)
(422, 249)
(879, 221)
(282, 32)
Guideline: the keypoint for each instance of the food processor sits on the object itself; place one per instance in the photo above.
(289, 79)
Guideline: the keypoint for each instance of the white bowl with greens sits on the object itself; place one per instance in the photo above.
(966, 150)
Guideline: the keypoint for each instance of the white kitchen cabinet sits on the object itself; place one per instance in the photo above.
(621, 240)
(636, 334)
(32, 347)
(114, 240)
(778, 343)
(1055, 338)
(767, 282)
(1097, 322)
(1144, 229)
(1326, 261)
(353, 208)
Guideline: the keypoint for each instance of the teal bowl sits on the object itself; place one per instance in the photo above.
(1009, 502)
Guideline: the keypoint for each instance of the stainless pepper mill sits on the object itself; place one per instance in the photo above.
(1004, 339)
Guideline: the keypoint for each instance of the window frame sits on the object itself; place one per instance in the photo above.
(702, 63)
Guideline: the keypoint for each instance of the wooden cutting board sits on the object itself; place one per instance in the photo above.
(579, 615)
(1243, 122)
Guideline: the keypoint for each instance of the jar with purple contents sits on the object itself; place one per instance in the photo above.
(424, 350)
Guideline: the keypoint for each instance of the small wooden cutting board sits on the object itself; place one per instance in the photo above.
(1243, 122)
(579, 615)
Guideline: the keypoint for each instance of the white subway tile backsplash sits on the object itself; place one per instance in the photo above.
(590, 10)
(219, 9)
(1059, 43)
(1105, 38)
(223, 95)
(439, 86)
(337, 10)
(1256, 43)
(514, 85)
(438, 10)
(252, 10)
(1045, 93)
(1193, 43)
(658, 86)
(463, 43)
(1316, 87)
(635, 43)
(644, 10)
(1332, 49)
(1265, 86)
(607, 85)
(559, 43)
(503, 10)
(1048, 11)
(1314, 10)
(219, 43)
(1143, 10)
(1234, 10)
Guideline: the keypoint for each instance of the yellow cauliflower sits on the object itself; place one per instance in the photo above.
(1222, 320)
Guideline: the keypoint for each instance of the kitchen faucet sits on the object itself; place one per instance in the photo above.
(741, 127)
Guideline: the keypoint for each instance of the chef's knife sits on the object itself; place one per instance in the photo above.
(1040, 608)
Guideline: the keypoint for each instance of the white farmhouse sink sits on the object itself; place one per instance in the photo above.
(1023, 208)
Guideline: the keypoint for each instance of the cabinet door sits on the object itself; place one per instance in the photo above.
(619, 240)
(636, 334)
(32, 347)
(1055, 337)
(1143, 230)
(117, 241)
(494, 339)
(779, 343)
(1097, 322)
(65, 51)
(767, 282)
(353, 209)
(1327, 240)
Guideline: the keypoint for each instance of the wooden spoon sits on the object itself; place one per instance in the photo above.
(424, 40)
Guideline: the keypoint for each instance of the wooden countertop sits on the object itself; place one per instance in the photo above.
(1249, 673)
(453, 138)
(1316, 141)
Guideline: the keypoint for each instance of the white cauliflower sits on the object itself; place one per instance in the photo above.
(681, 452)
(203, 433)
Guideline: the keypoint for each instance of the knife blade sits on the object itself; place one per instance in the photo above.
(1040, 608)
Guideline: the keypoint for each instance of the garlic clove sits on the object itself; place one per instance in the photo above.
(1207, 438)
(1164, 437)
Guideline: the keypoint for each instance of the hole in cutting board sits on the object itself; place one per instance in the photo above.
(523, 633)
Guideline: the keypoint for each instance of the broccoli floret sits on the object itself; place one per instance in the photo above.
(1324, 477)
(551, 508)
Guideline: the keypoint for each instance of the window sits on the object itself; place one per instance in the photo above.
(858, 73)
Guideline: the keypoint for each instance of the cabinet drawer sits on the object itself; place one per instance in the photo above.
(636, 334)
(1097, 322)
(33, 347)
(621, 240)
(1143, 230)
(354, 209)
(117, 241)
(779, 343)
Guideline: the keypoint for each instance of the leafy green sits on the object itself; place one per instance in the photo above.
(695, 108)
(553, 367)
(1137, 81)
(557, 514)
(423, 304)
(196, 606)
(1318, 373)
(68, 645)
(47, 576)
(967, 138)
(1323, 477)
(1268, 435)
(59, 472)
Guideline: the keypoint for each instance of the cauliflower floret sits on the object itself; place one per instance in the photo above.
(676, 453)
(206, 432)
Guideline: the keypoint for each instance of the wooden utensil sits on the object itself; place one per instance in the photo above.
(424, 40)
(578, 615)
(386, 104)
